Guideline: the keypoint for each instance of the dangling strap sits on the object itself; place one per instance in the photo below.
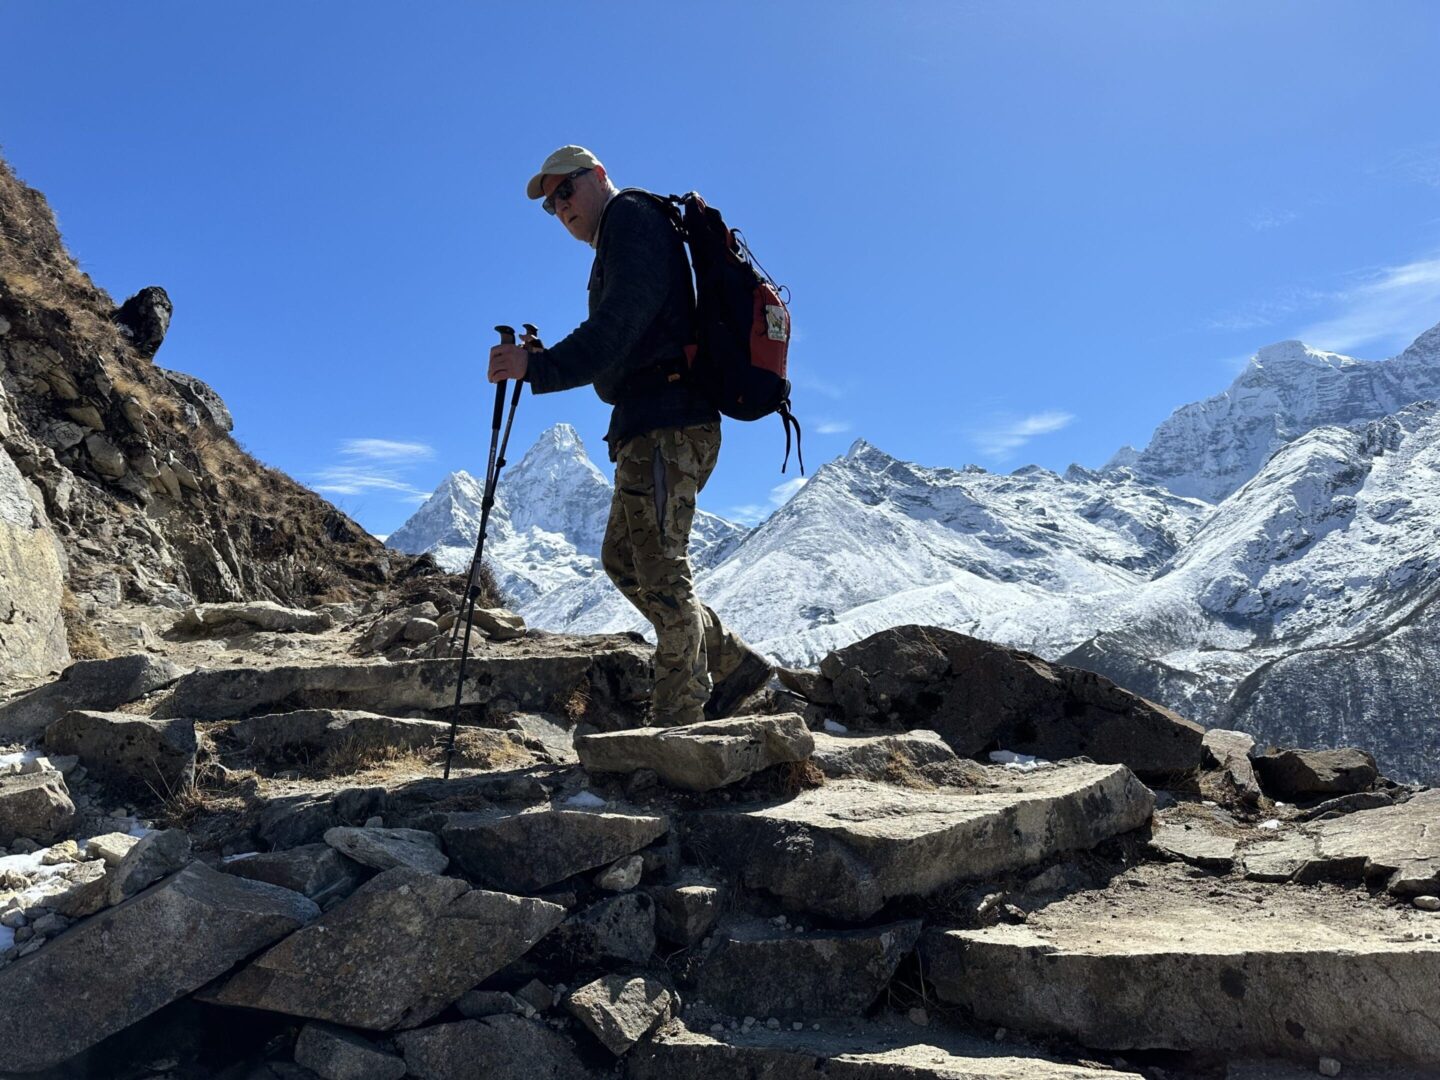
(788, 420)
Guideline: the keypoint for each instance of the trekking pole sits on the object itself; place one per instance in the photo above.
(493, 465)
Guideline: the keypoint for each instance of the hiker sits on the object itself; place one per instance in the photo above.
(664, 434)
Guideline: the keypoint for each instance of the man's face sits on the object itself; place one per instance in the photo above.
(581, 211)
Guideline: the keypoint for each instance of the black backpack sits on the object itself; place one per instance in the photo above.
(742, 324)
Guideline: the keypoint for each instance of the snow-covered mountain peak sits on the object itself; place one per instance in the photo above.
(1424, 350)
(1286, 356)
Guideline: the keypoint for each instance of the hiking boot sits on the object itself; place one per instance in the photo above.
(750, 675)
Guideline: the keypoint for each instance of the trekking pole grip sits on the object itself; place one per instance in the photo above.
(507, 337)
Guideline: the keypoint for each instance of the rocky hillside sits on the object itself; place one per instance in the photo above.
(119, 479)
(931, 858)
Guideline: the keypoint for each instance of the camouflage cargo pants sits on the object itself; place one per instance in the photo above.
(646, 554)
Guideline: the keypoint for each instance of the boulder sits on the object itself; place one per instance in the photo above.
(110, 847)
(32, 582)
(914, 758)
(979, 695)
(622, 875)
(281, 737)
(144, 319)
(703, 756)
(393, 954)
(499, 624)
(131, 960)
(526, 676)
(157, 855)
(854, 1050)
(88, 684)
(314, 870)
(843, 850)
(1299, 775)
(541, 846)
(495, 1047)
(333, 1053)
(759, 970)
(156, 756)
(204, 403)
(81, 889)
(261, 614)
(36, 807)
(1289, 977)
(685, 912)
(384, 849)
(1228, 752)
(620, 1010)
(619, 930)
(388, 629)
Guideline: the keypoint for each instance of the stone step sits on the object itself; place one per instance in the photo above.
(700, 757)
(845, 1050)
(1160, 960)
(846, 848)
(535, 674)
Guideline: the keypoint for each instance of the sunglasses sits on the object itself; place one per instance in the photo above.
(564, 192)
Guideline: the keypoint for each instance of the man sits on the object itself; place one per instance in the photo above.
(664, 435)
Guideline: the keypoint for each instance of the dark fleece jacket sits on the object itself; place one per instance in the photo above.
(642, 310)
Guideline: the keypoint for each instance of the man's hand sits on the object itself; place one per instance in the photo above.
(508, 362)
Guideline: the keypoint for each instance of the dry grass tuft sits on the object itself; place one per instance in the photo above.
(577, 703)
(798, 776)
(80, 636)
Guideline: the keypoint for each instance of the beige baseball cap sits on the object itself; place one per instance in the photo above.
(561, 163)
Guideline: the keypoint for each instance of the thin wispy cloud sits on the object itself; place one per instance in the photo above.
(780, 494)
(832, 427)
(386, 450)
(1271, 310)
(810, 385)
(1418, 164)
(374, 466)
(1003, 438)
(1271, 219)
(1394, 301)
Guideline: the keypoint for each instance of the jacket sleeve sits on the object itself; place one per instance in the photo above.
(635, 281)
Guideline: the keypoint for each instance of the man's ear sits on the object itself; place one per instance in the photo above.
(601, 173)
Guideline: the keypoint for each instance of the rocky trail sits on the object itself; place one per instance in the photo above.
(230, 853)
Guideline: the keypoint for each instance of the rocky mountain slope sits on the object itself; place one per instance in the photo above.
(546, 527)
(1208, 449)
(119, 479)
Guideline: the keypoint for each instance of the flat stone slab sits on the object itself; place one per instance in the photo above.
(1195, 845)
(700, 757)
(844, 849)
(759, 970)
(1297, 973)
(527, 675)
(284, 736)
(845, 1051)
(384, 849)
(122, 965)
(261, 614)
(542, 846)
(88, 684)
(1395, 846)
(394, 953)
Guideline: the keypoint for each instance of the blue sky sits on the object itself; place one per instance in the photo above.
(1014, 232)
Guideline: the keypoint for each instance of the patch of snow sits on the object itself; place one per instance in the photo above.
(585, 800)
(237, 858)
(1273, 823)
(835, 728)
(1011, 760)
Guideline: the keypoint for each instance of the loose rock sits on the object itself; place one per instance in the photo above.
(620, 1010)
(88, 684)
(156, 855)
(154, 756)
(1296, 775)
(496, 1047)
(35, 807)
(384, 849)
(333, 1053)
